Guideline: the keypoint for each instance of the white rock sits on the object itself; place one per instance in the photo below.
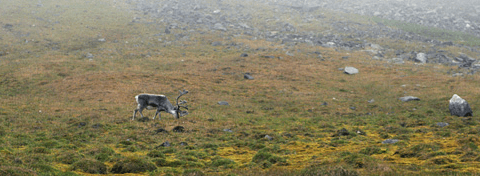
(350, 70)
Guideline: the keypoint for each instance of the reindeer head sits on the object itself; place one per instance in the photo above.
(178, 111)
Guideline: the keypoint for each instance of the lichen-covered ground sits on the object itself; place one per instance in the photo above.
(69, 72)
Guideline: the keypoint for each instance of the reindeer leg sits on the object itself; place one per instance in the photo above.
(134, 113)
(140, 109)
(158, 112)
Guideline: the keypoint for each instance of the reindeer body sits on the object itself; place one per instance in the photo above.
(154, 101)
(160, 102)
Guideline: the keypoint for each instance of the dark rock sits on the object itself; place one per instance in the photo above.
(324, 104)
(247, 76)
(228, 130)
(160, 130)
(353, 108)
(341, 132)
(165, 144)
(179, 129)
(223, 103)
(442, 124)
(409, 98)
(183, 143)
(459, 107)
(269, 57)
(390, 141)
(167, 30)
(350, 70)
(244, 55)
(81, 124)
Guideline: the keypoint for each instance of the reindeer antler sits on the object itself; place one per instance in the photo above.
(182, 102)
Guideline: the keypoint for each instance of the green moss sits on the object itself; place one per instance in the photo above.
(372, 150)
(266, 159)
(156, 154)
(222, 162)
(417, 150)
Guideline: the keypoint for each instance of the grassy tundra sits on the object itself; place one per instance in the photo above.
(64, 112)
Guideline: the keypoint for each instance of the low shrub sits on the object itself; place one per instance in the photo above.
(156, 154)
(90, 166)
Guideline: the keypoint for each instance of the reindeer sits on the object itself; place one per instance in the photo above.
(161, 102)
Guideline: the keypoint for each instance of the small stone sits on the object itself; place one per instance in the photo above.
(223, 103)
(219, 26)
(442, 124)
(268, 137)
(244, 55)
(360, 132)
(397, 61)
(390, 141)
(228, 130)
(247, 76)
(89, 55)
(409, 98)
(324, 104)
(102, 40)
(371, 101)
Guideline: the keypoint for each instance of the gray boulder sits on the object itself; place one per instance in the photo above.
(219, 26)
(421, 57)
(459, 107)
(350, 70)
(409, 98)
